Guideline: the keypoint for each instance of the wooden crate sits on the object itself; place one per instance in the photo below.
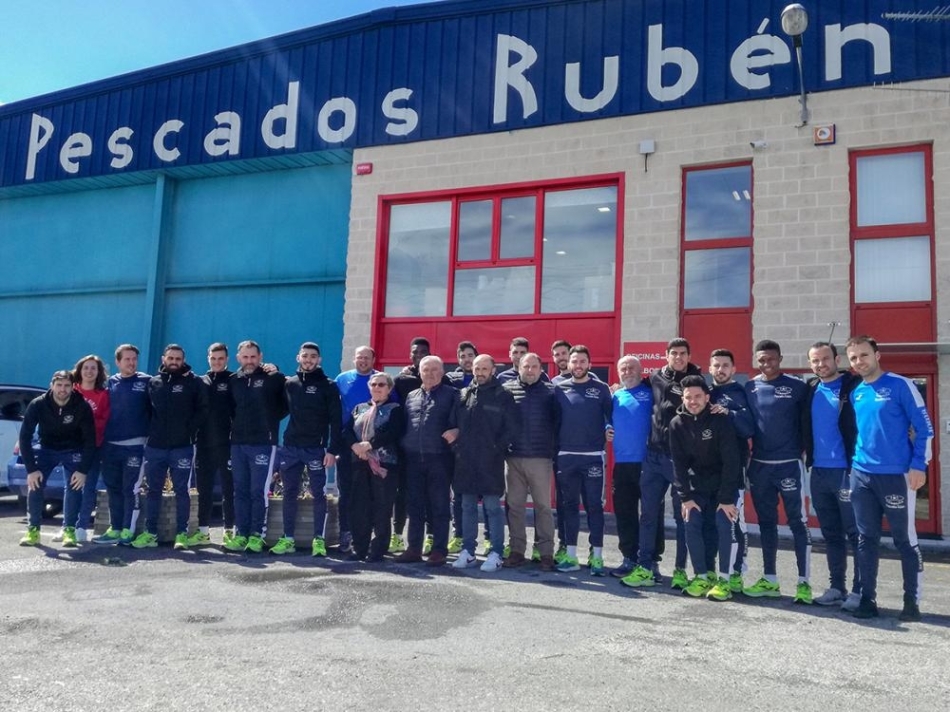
(303, 532)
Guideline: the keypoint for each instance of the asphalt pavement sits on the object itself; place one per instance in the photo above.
(104, 628)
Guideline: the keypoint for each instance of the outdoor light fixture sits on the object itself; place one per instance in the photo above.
(794, 24)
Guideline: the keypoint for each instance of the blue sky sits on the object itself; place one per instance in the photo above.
(47, 45)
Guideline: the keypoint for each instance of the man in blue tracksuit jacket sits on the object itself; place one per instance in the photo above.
(586, 410)
(258, 403)
(124, 446)
(830, 432)
(179, 402)
(888, 468)
(777, 402)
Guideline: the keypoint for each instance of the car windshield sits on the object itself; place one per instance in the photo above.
(14, 400)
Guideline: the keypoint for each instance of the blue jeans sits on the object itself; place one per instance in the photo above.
(769, 481)
(710, 525)
(292, 461)
(89, 491)
(831, 497)
(581, 478)
(158, 463)
(46, 462)
(253, 468)
(122, 470)
(494, 513)
(655, 479)
(872, 497)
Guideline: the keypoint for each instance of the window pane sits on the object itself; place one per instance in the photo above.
(892, 270)
(716, 279)
(475, 230)
(891, 189)
(517, 228)
(417, 272)
(718, 203)
(580, 247)
(494, 290)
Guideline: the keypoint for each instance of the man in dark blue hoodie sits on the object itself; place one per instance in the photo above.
(67, 438)
(311, 441)
(179, 406)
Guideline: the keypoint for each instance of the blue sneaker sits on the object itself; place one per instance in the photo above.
(624, 569)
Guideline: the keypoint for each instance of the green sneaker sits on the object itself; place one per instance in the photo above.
(487, 549)
(181, 541)
(506, 552)
(455, 545)
(763, 588)
(255, 544)
(396, 544)
(560, 554)
(680, 580)
(640, 576)
(284, 545)
(145, 540)
(569, 563)
(236, 543)
(227, 536)
(802, 591)
(596, 565)
(426, 546)
(69, 537)
(698, 587)
(735, 583)
(535, 553)
(126, 537)
(720, 591)
(31, 538)
(109, 536)
(199, 538)
(319, 547)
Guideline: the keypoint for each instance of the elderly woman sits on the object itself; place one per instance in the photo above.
(373, 435)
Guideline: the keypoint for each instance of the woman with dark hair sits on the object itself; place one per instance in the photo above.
(373, 435)
(89, 380)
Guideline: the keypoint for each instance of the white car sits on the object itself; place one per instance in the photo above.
(13, 403)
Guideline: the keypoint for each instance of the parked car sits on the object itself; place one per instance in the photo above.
(13, 403)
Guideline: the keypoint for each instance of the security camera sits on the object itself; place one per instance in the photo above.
(761, 143)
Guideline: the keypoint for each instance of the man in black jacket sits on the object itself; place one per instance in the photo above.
(312, 441)
(530, 462)
(487, 421)
(830, 432)
(707, 476)
(179, 403)
(213, 451)
(67, 438)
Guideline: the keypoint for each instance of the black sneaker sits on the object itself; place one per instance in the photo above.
(911, 611)
(866, 609)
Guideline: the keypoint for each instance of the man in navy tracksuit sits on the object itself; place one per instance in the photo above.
(213, 452)
(123, 450)
(311, 441)
(179, 402)
(68, 438)
(586, 410)
(727, 397)
(706, 475)
(258, 404)
(830, 433)
(777, 402)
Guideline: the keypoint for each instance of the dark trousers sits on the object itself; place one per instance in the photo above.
(253, 468)
(293, 460)
(158, 463)
(214, 462)
(46, 462)
(559, 512)
(655, 480)
(831, 497)
(371, 506)
(429, 479)
(872, 497)
(89, 492)
(400, 506)
(769, 481)
(344, 485)
(123, 471)
(626, 494)
(708, 529)
(582, 479)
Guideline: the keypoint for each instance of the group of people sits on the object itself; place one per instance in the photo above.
(404, 445)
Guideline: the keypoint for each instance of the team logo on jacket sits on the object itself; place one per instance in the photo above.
(788, 484)
(592, 393)
(315, 465)
(707, 434)
(642, 396)
(139, 386)
(178, 388)
(77, 457)
(257, 383)
(261, 460)
(894, 501)
(595, 471)
(311, 389)
(844, 495)
(222, 387)
(133, 462)
(883, 394)
(184, 463)
(783, 392)
(67, 419)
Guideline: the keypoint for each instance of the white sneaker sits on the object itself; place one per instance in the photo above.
(464, 561)
(58, 536)
(852, 602)
(492, 563)
(81, 534)
(831, 597)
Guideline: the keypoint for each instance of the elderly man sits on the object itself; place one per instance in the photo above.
(487, 420)
(533, 447)
(431, 413)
